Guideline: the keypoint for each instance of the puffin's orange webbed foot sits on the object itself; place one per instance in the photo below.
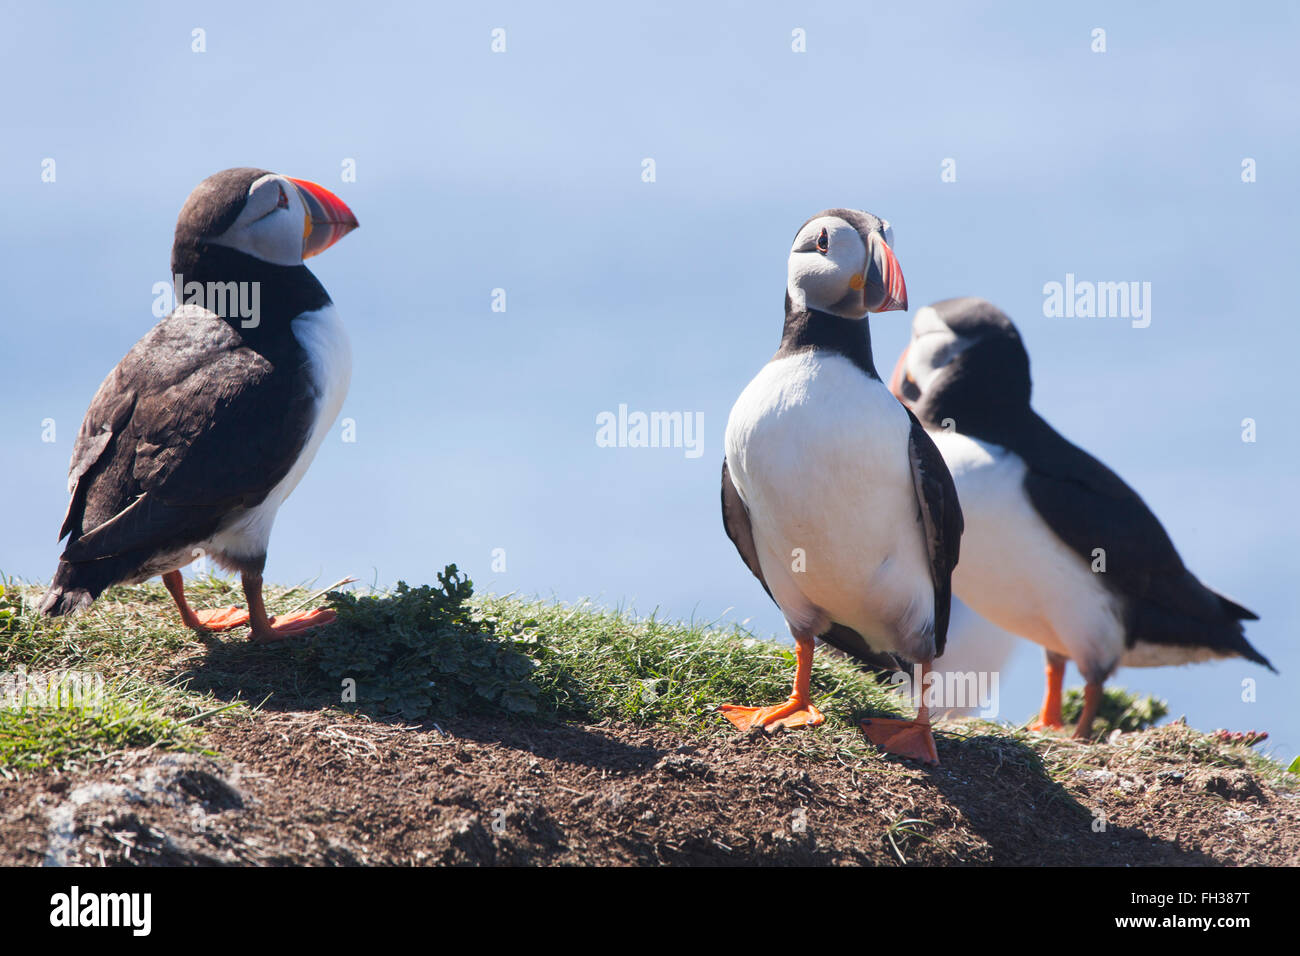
(304, 620)
(221, 619)
(287, 625)
(793, 713)
(797, 711)
(1040, 725)
(907, 738)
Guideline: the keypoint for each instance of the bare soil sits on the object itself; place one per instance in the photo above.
(317, 788)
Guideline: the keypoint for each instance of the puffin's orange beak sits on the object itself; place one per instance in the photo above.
(882, 280)
(328, 217)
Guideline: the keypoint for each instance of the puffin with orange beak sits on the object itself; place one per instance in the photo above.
(832, 492)
(200, 433)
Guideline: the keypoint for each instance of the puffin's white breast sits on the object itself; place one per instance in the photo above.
(818, 451)
(329, 360)
(1015, 571)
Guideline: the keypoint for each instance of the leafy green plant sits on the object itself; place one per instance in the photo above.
(421, 652)
(1119, 710)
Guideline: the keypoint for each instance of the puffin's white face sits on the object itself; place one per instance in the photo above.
(273, 224)
(933, 348)
(832, 266)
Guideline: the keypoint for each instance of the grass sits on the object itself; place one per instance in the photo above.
(419, 654)
(54, 737)
(595, 665)
(1172, 746)
(111, 670)
(161, 681)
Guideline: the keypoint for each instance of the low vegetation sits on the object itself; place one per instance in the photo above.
(432, 697)
(415, 654)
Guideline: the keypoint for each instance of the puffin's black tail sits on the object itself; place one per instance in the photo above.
(1236, 613)
(74, 587)
(1247, 650)
(1181, 612)
(1233, 609)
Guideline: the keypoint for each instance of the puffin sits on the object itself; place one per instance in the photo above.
(833, 494)
(203, 429)
(1058, 548)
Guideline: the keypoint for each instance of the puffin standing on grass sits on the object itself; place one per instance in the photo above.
(832, 492)
(1058, 549)
(199, 434)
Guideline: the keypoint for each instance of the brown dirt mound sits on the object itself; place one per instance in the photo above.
(319, 788)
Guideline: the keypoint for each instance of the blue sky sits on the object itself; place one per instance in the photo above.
(476, 429)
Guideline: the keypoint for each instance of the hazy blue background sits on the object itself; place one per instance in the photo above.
(476, 430)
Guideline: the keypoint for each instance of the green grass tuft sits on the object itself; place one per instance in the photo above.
(594, 664)
(56, 734)
(75, 690)
(1119, 710)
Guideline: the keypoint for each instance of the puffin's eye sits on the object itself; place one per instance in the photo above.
(283, 201)
(823, 242)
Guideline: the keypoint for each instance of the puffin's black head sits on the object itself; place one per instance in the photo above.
(272, 218)
(842, 263)
(966, 363)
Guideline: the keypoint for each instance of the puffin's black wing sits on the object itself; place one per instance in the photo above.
(190, 425)
(1088, 507)
(941, 519)
(735, 518)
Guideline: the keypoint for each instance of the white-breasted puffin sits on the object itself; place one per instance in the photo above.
(832, 492)
(199, 434)
(1042, 513)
